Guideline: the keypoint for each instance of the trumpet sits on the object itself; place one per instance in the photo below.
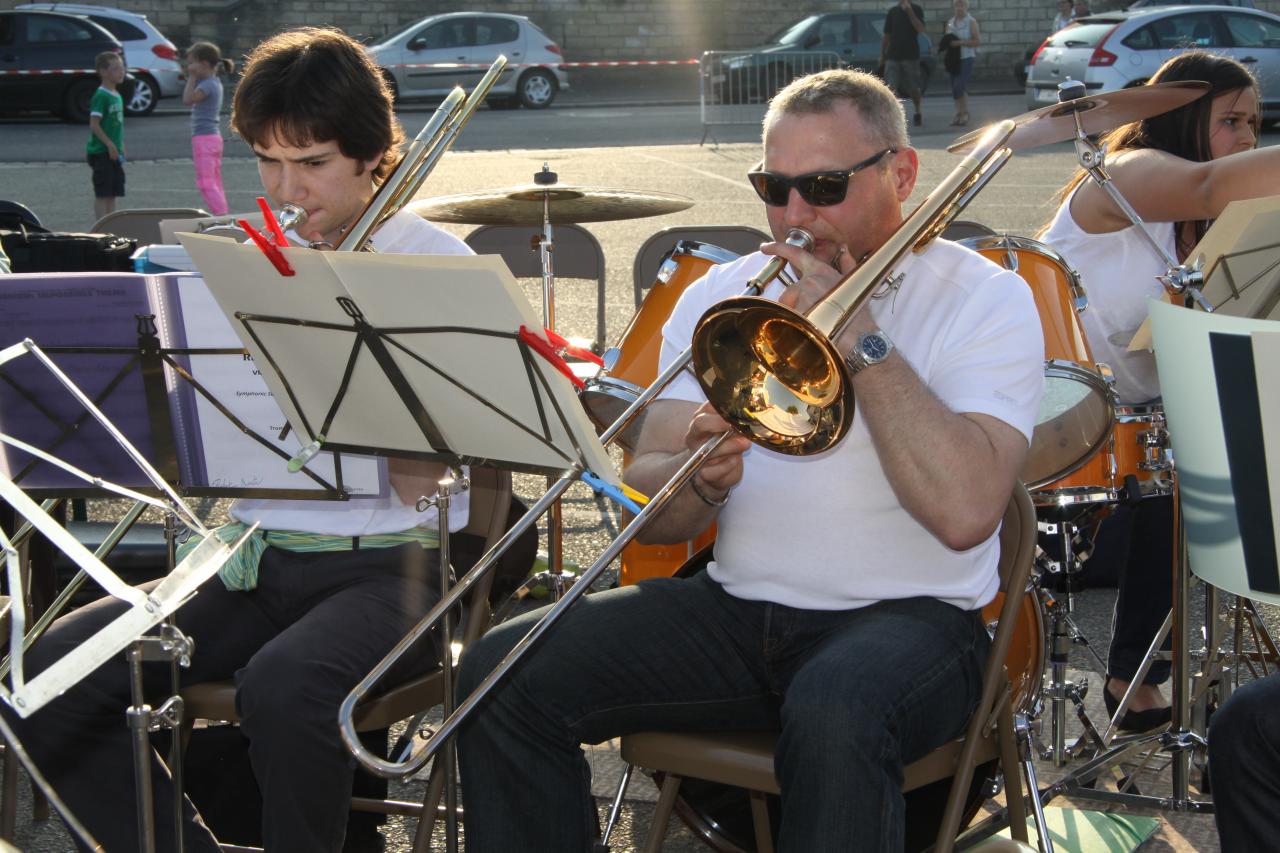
(445, 730)
(774, 374)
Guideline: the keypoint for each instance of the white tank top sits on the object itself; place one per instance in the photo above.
(1119, 271)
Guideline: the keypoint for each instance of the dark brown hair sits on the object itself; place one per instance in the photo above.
(1183, 132)
(103, 60)
(207, 51)
(314, 85)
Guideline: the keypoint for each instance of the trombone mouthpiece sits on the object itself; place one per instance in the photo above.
(291, 217)
(795, 237)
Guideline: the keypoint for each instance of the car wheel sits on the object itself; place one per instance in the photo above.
(145, 96)
(537, 89)
(75, 101)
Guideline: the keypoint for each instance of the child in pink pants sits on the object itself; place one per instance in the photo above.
(203, 93)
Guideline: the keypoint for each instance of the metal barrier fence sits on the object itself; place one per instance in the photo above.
(732, 84)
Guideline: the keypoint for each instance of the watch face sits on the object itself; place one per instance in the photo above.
(874, 348)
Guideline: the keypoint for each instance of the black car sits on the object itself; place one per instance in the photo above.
(52, 42)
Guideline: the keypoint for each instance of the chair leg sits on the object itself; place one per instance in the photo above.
(760, 821)
(662, 814)
(40, 809)
(1010, 764)
(430, 804)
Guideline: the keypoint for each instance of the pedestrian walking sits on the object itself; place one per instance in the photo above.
(105, 151)
(963, 29)
(900, 52)
(203, 93)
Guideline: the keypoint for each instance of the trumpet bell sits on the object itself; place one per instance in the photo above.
(772, 375)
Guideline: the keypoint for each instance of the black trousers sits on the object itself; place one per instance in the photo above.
(296, 645)
(1141, 541)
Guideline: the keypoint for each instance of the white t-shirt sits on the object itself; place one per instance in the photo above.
(962, 28)
(403, 234)
(1118, 270)
(825, 532)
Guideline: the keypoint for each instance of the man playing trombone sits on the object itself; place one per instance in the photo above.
(842, 606)
(324, 589)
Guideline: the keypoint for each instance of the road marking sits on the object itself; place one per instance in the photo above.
(741, 184)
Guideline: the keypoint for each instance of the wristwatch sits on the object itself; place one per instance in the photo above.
(872, 348)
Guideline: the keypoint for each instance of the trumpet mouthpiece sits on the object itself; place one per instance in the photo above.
(800, 237)
(795, 237)
(291, 217)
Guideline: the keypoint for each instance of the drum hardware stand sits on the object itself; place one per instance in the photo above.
(453, 483)
(1179, 741)
(175, 647)
(1063, 634)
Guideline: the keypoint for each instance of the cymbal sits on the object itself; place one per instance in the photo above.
(523, 205)
(1098, 114)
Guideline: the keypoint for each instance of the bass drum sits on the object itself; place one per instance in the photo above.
(720, 815)
(633, 366)
(1076, 416)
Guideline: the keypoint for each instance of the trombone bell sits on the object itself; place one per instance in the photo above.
(772, 375)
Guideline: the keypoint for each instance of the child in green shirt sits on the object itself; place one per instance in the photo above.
(105, 150)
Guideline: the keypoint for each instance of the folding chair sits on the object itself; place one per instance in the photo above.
(143, 223)
(490, 501)
(577, 255)
(739, 239)
(745, 759)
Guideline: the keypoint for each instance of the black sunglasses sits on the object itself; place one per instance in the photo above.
(820, 189)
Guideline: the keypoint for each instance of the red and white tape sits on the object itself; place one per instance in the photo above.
(611, 63)
(44, 72)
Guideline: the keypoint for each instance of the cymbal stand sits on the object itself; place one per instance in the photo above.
(1063, 634)
(554, 579)
(1180, 742)
(175, 647)
(1180, 279)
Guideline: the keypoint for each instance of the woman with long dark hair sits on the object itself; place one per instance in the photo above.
(1178, 170)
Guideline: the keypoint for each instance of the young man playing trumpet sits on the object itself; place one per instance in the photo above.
(324, 590)
(842, 606)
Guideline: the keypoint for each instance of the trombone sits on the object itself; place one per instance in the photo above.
(920, 228)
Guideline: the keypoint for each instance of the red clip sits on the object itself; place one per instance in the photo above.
(272, 225)
(272, 252)
(544, 349)
(566, 348)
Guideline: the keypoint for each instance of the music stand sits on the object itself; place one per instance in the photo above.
(145, 611)
(1240, 255)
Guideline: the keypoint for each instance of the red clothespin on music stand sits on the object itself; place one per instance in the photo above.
(564, 347)
(540, 345)
(271, 248)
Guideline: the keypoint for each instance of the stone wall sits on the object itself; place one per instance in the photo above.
(594, 29)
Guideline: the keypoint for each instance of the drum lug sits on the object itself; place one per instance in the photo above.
(610, 358)
(668, 269)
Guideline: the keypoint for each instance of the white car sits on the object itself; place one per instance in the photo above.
(152, 59)
(429, 57)
(1115, 50)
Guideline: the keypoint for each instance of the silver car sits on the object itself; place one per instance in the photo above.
(429, 57)
(1116, 50)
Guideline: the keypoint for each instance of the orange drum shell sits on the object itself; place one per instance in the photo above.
(639, 348)
(1120, 457)
(1026, 657)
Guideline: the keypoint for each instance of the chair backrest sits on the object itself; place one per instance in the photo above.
(142, 224)
(1218, 376)
(739, 239)
(489, 503)
(577, 255)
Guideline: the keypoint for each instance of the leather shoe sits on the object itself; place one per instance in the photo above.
(1137, 721)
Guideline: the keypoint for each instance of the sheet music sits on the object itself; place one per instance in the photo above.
(222, 454)
(489, 399)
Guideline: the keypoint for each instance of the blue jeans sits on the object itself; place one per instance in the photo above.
(856, 694)
(960, 80)
(1244, 766)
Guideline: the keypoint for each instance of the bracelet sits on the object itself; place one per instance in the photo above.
(706, 500)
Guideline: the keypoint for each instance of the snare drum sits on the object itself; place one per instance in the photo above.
(1076, 415)
(632, 365)
(1138, 447)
